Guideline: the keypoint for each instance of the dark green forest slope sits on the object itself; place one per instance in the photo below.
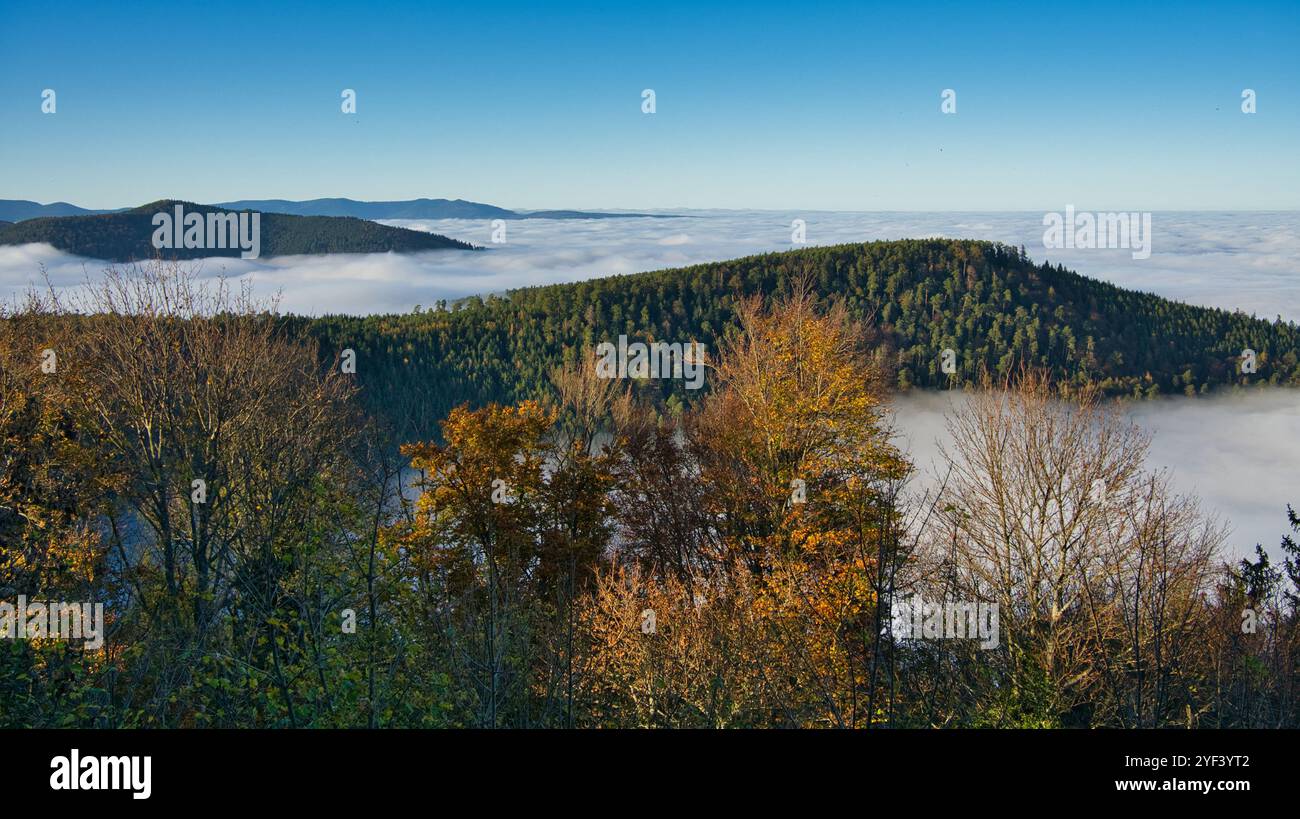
(988, 302)
(126, 236)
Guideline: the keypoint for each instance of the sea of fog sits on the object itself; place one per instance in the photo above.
(1238, 453)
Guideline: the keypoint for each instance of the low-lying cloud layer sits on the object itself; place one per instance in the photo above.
(1238, 453)
(1247, 261)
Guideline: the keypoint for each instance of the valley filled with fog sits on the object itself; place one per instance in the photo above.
(1238, 452)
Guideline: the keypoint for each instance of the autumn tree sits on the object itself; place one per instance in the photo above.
(222, 438)
(1095, 565)
(49, 549)
(771, 503)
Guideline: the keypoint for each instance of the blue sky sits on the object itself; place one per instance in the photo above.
(759, 105)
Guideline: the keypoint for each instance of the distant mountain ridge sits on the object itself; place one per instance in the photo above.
(18, 210)
(415, 209)
(127, 235)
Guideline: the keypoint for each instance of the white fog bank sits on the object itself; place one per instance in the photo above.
(1239, 453)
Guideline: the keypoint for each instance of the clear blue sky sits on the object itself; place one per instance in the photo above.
(769, 105)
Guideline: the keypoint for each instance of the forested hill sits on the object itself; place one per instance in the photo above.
(987, 302)
(127, 235)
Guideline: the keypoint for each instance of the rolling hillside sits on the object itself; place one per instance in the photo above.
(127, 235)
(989, 303)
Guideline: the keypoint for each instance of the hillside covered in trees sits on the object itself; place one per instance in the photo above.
(265, 555)
(988, 303)
(127, 235)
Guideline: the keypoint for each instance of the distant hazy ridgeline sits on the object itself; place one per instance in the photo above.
(17, 210)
